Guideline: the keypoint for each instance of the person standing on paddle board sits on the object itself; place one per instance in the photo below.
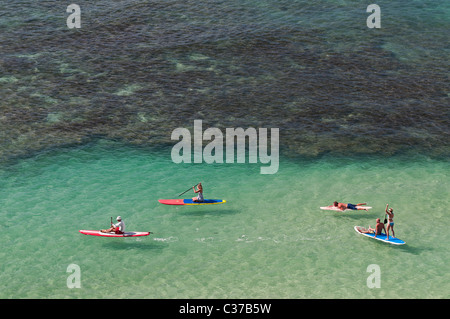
(199, 190)
(118, 228)
(343, 206)
(390, 212)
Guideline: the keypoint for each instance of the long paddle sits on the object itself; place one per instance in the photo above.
(187, 190)
(385, 219)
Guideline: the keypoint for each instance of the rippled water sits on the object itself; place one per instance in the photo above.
(270, 240)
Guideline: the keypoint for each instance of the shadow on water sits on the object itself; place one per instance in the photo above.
(367, 216)
(143, 244)
(211, 212)
(413, 249)
(407, 248)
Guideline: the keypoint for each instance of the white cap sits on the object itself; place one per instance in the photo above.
(119, 218)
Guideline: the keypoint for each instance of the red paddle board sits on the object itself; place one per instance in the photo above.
(126, 234)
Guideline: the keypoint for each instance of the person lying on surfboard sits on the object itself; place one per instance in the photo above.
(199, 191)
(343, 206)
(118, 228)
(377, 230)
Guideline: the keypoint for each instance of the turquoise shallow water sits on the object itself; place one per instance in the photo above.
(270, 240)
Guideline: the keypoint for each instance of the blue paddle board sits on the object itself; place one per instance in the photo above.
(382, 237)
(190, 201)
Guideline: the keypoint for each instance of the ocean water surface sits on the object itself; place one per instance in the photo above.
(270, 240)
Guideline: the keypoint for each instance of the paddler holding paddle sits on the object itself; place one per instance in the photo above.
(199, 190)
(390, 213)
(118, 228)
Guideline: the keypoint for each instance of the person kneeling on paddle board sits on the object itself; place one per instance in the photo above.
(343, 206)
(118, 228)
(377, 230)
(199, 190)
